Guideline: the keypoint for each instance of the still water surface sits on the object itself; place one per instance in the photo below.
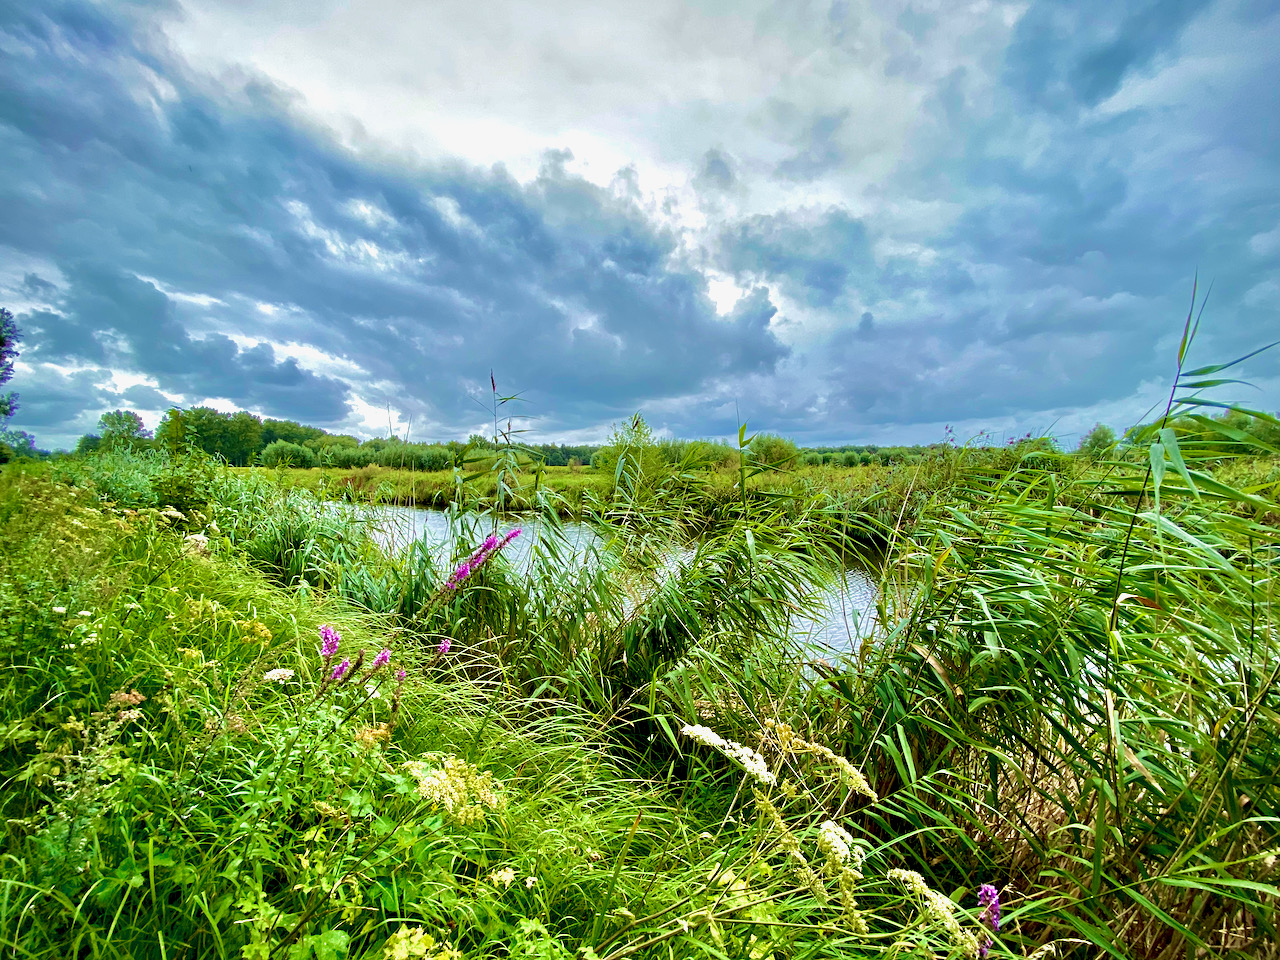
(845, 612)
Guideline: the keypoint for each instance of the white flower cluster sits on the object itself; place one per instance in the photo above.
(750, 760)
(834, 843)
(464, 791)
(281, 676)
(939, 910)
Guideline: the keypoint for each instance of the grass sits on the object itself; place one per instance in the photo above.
(1071, 695)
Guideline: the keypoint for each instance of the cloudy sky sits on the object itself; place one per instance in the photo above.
(842, 220)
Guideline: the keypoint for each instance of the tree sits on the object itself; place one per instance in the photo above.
(122, 427)
(768, 449)
(282, 453)
(9, 338)
(290, 430)
(236, 437)
(1097, 442)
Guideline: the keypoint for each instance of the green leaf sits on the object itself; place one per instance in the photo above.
(1156, 455)
(1170, 440)
(1215, 367)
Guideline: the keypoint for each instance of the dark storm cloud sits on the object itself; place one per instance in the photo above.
(1061, 274)
(1068, 53)
(812, 256)
(113, 318)
(123, 166)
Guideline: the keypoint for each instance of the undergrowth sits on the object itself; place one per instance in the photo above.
(232, 726)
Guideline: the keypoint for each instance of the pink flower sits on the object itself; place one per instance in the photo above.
(445, 644)
(381, 660)
(340, 670)
(478, 559)
(989, 900)
(329, 640)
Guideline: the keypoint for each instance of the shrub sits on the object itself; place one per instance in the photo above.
(415, 456)
(772, 450)
(282, 453)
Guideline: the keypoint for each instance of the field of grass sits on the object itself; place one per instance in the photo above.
(1068, 708)
(876, 498)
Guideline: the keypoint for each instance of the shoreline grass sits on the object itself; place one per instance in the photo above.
(1071, 699)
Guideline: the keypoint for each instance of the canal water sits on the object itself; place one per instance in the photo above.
(844, 614)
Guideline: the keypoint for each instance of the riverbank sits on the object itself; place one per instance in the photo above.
(1069, 698)
(865, 502)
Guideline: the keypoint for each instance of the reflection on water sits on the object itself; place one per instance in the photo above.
(844, 613)
(394, 528)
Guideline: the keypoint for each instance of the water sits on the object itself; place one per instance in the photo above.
(844, 615)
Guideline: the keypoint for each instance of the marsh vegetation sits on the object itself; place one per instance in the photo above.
(1058, 740)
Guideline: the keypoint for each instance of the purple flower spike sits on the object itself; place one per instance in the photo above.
(400, 675)
(478, 559)
(989, 900)
(329, 640)
(445, 644)
(340, 670)
(381, 660)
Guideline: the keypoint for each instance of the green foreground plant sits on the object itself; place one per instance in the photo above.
(1058, 739)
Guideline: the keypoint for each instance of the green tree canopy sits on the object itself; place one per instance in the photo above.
(768, 449)
(9, 338)
(289, 430)
(236, 437)
(122, 427)
(1097, 441)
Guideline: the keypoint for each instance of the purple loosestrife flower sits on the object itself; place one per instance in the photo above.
(340, 670)
(381, 660)
(989, 900)
(445, 644)
(329, 640)
(355, 667)
(478, 559)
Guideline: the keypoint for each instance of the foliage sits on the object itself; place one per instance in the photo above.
(769, 449)
(122, 427)
(1097, 442)
(610, 745)
(235, 437)
(283, 453)
(9, 338)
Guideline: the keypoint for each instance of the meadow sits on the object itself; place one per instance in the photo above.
(230, 726)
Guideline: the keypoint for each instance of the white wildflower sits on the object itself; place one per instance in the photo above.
(59, 610)
(834, 843)
(704, 735)
(282, 675)
(938, 909)
(464, 791)
(750, 760)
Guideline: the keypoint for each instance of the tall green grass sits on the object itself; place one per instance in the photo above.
(1070, 694)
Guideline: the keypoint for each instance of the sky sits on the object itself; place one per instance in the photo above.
(841, 221)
